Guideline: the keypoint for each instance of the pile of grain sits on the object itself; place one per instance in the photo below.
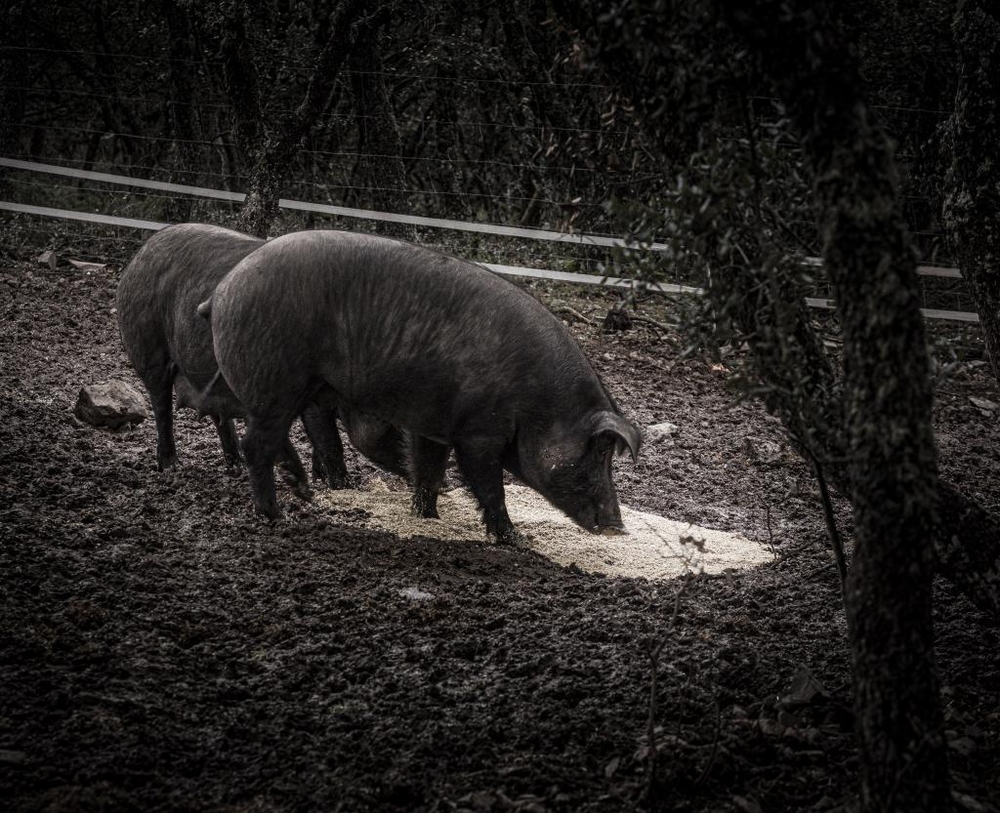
(652, 547)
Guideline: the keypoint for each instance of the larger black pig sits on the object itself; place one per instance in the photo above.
(170, 346)
(442, 348)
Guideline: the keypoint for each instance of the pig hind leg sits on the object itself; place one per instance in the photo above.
(479, 463)
(265, 441)
(159, 380)
(227, 437)
(328, 451)
(428, 463)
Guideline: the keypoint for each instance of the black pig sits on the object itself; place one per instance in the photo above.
(170, 346)
(449, 352)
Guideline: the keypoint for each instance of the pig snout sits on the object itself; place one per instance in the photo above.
(600, 516)
(609, 518)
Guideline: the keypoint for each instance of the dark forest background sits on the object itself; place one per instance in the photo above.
(489, 111)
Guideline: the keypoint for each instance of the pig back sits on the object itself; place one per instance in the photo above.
(157, 298)
(419, 338)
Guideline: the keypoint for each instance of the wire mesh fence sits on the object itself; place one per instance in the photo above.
(464, 157)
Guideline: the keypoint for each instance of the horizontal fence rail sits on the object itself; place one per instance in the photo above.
(339, 211)
(415, 220)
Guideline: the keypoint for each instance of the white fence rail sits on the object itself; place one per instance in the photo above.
(412, 220)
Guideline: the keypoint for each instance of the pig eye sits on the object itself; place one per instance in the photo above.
(604, 445)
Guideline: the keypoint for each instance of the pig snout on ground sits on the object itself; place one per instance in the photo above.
(450, 353)
(170, 345)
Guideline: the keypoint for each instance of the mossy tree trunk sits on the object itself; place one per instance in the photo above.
(892, 467)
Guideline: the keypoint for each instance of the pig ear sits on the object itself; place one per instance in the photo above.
(623, 432)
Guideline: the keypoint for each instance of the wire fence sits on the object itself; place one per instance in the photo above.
(948, 279)
(98, 145)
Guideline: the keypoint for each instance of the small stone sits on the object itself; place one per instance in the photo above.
(805, 689)
(746, 805)
(415, 594)
(111, 405)
(480, 801)
(965, 746)
(760, 450)
(84, 265)
(985, 405)
(657, 431)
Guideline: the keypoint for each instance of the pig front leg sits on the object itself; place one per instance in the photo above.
(480, 465)
(428, 463)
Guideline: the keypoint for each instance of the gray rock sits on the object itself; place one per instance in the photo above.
(415, 594)
(112, 405)
(657, 431)
(760, 450)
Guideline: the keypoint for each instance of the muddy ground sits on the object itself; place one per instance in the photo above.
(161, 649)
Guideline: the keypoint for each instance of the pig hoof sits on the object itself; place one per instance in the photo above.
(303, 492)
(425, 511)
(510, 537)
(300, 488)
(165, 463)
(424, 503)
(269, 512)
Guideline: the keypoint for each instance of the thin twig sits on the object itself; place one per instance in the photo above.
(566, 309)
(770, 533)
(831, 523)
(645, 320)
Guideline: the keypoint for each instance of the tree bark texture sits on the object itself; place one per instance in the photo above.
(269, 147)
(972, 202)
(891, 470)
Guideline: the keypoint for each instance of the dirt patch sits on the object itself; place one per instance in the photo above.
(651, 547)
(162, 649)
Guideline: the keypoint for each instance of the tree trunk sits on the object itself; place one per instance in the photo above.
(892, 471)
(179, 125)
(972, 202)
(269, 148)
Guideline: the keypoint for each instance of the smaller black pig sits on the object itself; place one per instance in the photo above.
(170, 346)
(449, 352)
